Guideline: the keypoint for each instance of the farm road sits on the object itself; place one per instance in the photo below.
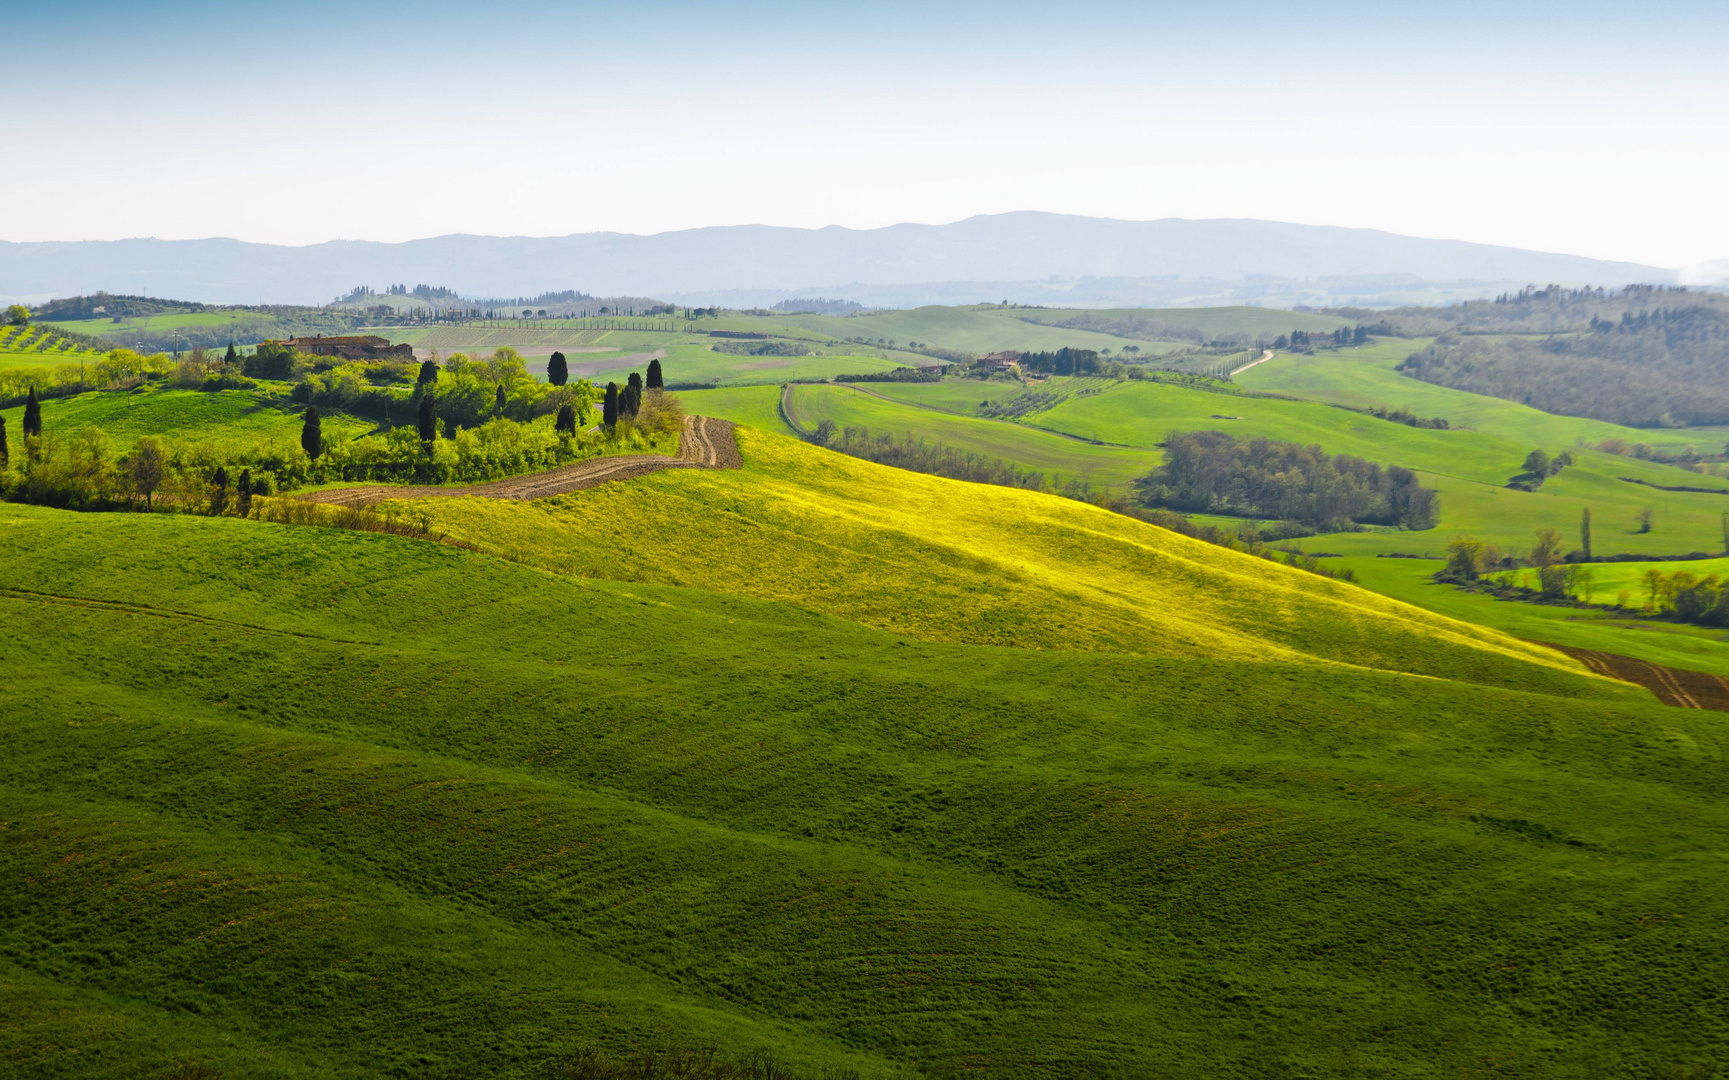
(1266, 354)
(706, 443)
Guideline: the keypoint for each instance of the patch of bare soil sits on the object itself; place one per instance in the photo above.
(1673, 686)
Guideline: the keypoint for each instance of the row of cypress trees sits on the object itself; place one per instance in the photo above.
(626, 403)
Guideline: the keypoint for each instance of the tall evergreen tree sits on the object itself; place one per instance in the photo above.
(609, 407)
(312, 434)
(231, 357)
(32, 416)
(557, 371)
(654, 377)
(498, 400)
(6, 457)
(428, 373)
(1585, 532)
(630, 401)
(428, 418)
(566, 424)
(243, 493)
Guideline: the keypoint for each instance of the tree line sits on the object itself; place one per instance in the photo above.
(1213, 472)
(1667, 367)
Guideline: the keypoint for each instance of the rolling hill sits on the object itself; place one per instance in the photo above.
(882, 774)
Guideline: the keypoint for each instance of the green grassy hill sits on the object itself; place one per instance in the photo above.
(871, 770)
(190, 414)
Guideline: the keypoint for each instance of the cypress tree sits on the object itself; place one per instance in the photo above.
(631, 400)
(654, 377)
(32, 416)
(243, 490)
(229, 359)
(498, 400)
(557, 371)
(566, 424)
(1585, 532)
(6, 457)
(219, 478)
(609, 408)
(428, 373)
(428, 419)
(311, 434)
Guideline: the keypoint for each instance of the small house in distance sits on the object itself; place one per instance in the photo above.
(997, 361)
(357, 347)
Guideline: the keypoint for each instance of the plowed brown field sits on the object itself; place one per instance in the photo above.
(1673, 686)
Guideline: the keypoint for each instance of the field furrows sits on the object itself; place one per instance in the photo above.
(1678, 687)
(706, 443)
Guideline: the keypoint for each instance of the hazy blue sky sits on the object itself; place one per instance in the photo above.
(1595, 128)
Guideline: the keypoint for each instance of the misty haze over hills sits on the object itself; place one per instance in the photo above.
(1023, 257)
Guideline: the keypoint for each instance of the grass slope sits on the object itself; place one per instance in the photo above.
(947, 561)
(222, 414)
(1696, 648)
(1470, 469)
(342, 804)
(1366, 377)
(757, 406)
(1057, 457)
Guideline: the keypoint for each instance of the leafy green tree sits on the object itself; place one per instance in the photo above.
(1537, 463)
(312, 434)
(1585, 532)
(609, 407)
(566, 423)
(1562, 461)
(1644, 519)
(1548, 550)
(1553, 581)
(146, 468)
(428, 419)
(557, 371)
(218, 491)
(655, 382)
(32, 416)
(1653, 581)
(17, 315)
(271, 360)
(1464, 559)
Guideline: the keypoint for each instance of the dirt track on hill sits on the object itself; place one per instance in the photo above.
(1673, 686)
(706, 443)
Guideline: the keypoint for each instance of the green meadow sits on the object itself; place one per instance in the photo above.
(758, 406)
(187, 414)
(878, 773)
(1058, 457)
(1678, 645)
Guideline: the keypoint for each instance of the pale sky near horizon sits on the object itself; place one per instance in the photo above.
(1590, 128)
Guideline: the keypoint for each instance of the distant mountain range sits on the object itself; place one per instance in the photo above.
(1023, 257)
